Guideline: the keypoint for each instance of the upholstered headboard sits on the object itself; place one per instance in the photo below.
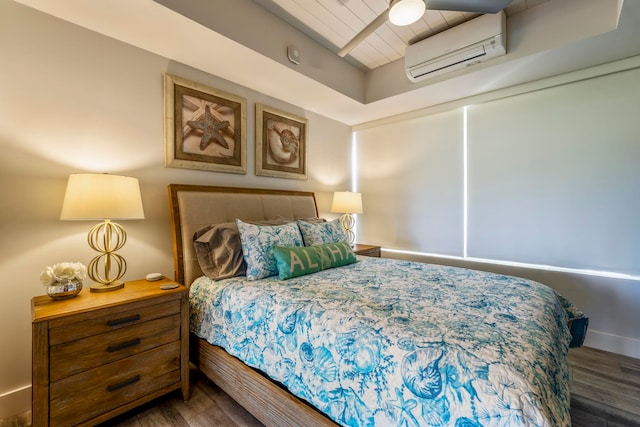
(196, 206)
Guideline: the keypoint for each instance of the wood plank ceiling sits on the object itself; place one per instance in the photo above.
(334, 22)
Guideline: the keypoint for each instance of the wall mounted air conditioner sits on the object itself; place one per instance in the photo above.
(466, 44)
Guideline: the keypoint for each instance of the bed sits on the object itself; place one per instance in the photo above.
(419, 345)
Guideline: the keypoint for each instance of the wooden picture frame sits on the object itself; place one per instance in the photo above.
(205, 128)
(281, 143)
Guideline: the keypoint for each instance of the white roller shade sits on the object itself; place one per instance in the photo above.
(554, 176)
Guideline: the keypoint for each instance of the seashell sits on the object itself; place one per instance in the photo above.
(325, 365)
(306, 352)
(283, 145)
(288, 325)
(421, 374)
(365, 359)
(344, 343)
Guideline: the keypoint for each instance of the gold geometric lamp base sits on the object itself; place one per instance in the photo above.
(107, 238)
(347, 221)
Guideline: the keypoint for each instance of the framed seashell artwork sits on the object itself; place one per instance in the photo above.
(205, 128)
(281, 143)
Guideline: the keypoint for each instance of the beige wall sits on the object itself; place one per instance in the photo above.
(75, 101)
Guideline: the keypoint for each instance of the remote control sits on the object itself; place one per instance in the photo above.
(169, 286)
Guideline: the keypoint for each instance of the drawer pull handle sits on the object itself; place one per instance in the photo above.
(122, 346)
(114, 387)
(118, 322)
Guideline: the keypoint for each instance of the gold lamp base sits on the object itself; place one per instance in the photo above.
(347, 221)
(107, 268)
(107, 287)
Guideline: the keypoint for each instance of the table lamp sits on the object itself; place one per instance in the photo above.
(104, 197)
(348, 203)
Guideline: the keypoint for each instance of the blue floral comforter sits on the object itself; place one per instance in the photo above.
(394, 343)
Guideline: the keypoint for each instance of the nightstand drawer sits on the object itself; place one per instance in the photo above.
(85, 395)
(87, 324)
(76, 356)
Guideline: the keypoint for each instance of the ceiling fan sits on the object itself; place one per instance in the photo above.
(406, 12)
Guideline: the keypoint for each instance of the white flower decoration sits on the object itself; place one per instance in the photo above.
(63, 272)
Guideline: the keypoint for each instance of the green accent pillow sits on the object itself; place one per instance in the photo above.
(298, 261)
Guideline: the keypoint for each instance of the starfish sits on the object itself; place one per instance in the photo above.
(211, 129)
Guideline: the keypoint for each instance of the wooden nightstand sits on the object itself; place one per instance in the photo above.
(100, 354)
(367, 250)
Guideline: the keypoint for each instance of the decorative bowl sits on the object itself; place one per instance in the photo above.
(64, 290)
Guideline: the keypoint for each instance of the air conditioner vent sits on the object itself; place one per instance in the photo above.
(467, 44)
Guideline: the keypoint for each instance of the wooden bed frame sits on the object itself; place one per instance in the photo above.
(196, 206)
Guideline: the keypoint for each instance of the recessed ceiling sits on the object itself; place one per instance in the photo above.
(334, 23)
(246, 44)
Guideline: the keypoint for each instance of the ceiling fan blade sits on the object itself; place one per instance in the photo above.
(477, 6)
(366, 32)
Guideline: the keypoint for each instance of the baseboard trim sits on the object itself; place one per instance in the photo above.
(15, 402)
(616, 344)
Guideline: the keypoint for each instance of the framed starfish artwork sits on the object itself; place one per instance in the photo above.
(205, 128)
(281, 143)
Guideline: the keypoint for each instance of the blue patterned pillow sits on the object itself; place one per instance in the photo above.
(322, 233)
(258, 242)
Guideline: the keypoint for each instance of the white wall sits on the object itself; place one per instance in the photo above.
(75, 101)
(410, 172)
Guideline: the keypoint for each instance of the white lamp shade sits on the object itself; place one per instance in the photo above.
(347, 202)
(406, 12)
(102, 196)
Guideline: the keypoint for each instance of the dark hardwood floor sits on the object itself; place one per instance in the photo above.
(605, 392)
(605, 389)
(208, 406)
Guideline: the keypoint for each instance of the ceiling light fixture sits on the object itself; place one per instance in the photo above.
(406, 12)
